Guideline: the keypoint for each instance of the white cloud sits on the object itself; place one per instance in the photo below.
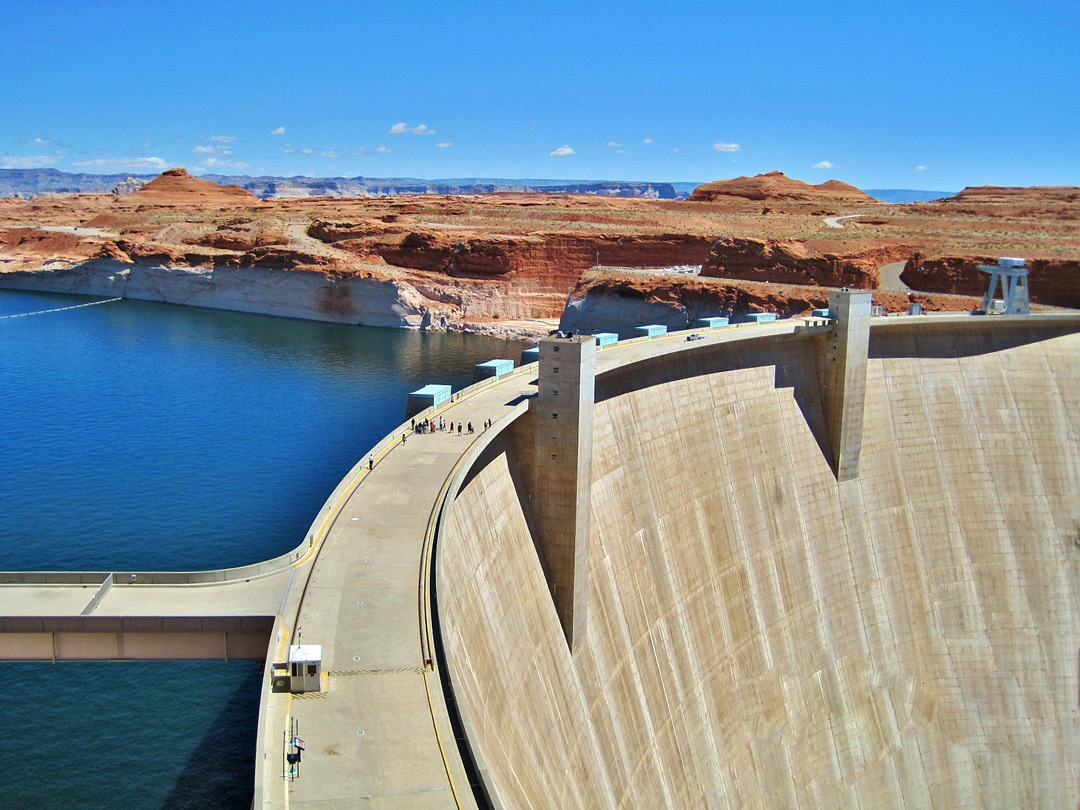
(278, 131)
(614, 144)
(920, 168)
(622, 151)
(562, 151)
(27, 161)
(647, 140)
(40, 142)
(825, 164)
(219, 147)
(443, 145)
(382, 150)
(136, 164)
(218, 163)
(401, 128)
(307, 150)
(720, 146)
(331, 153)
(676, 149)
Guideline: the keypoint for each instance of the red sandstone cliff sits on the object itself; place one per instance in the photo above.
(558, 257)
(177, 185)
(44, 243)
(239, 235)
(793, 261)
(1012, 195)
(617, 303)
(1054, 282)
(778, 186)
(449, 261)
(540, 268)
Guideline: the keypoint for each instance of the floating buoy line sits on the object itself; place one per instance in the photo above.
(59, 309)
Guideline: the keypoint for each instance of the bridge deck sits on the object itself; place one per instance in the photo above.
(258, 596)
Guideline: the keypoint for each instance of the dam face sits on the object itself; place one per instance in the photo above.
(761, 634)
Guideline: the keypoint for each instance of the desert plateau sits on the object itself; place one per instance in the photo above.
(518, 264)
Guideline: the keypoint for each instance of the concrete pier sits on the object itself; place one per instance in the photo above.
(844, 378)
(561, 506)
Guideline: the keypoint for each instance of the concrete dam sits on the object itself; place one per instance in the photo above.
(799, 564)
(760, 634)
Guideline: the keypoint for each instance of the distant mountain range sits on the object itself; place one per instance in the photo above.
(32, 182)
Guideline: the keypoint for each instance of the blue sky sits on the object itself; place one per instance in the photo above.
(933, 95)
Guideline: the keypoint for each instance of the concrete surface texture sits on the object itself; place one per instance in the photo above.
(762, 635)
(563, 419)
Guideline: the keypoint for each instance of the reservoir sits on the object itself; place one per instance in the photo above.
(144, 436)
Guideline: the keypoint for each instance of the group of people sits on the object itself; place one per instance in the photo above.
(430, 426)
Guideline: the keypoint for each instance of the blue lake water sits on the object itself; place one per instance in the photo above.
(141, 436)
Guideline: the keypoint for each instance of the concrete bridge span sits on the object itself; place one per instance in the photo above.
(759, 631)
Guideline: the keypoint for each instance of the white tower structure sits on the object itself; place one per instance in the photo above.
(1014, 286)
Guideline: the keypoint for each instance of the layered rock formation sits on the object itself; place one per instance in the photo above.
(240, 234)
(551, 256)
(776, 185)
(790, 261)
(176, 185)
(129, 185)
(476, 262)
(606, 302)
(308, 294)
(1054, 282)
(1016, 195)
(35, 243)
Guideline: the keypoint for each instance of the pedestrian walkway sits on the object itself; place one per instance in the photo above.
(382, 733)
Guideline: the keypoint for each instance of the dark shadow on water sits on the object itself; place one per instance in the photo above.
(202, 783)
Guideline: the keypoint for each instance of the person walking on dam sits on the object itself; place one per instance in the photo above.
(370, 461)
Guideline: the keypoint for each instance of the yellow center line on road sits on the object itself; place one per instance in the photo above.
(284, 640)
(288, 729)
(425, 563)
(331, 516)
